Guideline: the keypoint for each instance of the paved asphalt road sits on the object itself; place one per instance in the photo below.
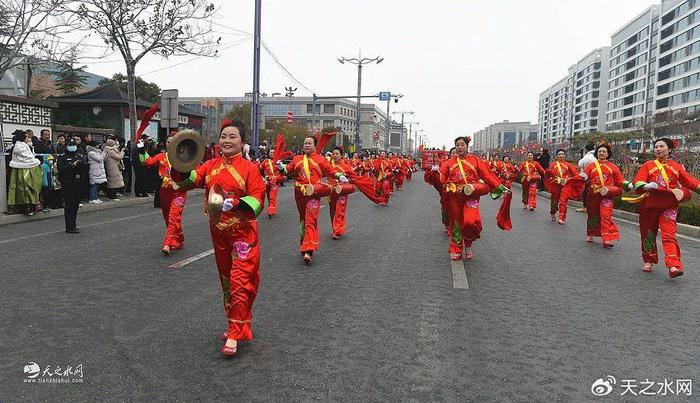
(375, 318)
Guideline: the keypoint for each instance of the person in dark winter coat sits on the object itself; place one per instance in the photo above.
(71, 169)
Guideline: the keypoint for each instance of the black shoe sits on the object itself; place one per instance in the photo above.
(72, 231)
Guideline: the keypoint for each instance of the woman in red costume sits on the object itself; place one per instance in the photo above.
(383, 175)
(465, 178)
(235, 192)
(272, 182)
(338, 202)
(432, 177)
(530, 174)
(606, 182)
(558, 173)
(653, 179)
(172, 198)
(308, 169)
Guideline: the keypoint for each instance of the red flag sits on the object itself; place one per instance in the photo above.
(574, 188)
(503, 216)
(323, 140)
(279, 148)
(146, 120)
(365, 185)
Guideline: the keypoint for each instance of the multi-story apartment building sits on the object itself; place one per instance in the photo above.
(339, 113)
(631, 85)
(576, 103)
(555, 112)
(504, 135)
(678, 87)
(589, 88)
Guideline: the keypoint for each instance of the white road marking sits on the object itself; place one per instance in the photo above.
(459, 276)
(189, 260)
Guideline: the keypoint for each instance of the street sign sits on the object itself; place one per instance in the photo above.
(168, 109)
(384, 96)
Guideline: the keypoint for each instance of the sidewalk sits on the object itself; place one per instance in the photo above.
(124, 202)
(682, 229)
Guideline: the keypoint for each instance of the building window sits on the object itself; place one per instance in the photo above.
(328, 108)
(309, 108)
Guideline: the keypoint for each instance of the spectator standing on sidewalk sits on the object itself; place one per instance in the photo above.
(70, 168)
(43, 144)
(46, 183)
(114, 165)
(543, 160)
(96, 158)
(139, 170)
(61, 143)
(25, 176)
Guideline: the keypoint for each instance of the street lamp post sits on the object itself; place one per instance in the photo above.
(359, 61)
(410, 128)
(256, 76)
(403, 113)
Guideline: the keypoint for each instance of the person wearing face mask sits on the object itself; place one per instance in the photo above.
(662, 184)
(70, 171)
(235, 194)
(308, 169)
(558, 173)
(25, 176)
(465, 178)
(530, 173)
(605, 181)
(172, 198)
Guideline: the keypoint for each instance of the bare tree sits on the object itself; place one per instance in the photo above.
(139, 27)
(31, 30)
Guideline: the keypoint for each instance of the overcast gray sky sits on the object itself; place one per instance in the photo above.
(462, 65)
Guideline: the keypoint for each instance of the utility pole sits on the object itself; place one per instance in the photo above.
(418, 141)
(410, 127)
(256, 76)
(359, 61)
(289, 94)
(403, 113)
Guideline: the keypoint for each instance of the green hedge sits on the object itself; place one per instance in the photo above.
(688, 213)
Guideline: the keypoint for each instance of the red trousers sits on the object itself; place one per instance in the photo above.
(172, 202)
(600, 220)
(563, 203)
(271, 192)
(409, 175)
(650, 221)
(338, 206)
(464, 221)
(443, 211)
(237, 255)
(530, 194)
(383, 187)
(399, 178)
(555, 198)
(308, 208)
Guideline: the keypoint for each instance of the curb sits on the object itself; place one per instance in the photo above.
(682, 229)
(107, 205)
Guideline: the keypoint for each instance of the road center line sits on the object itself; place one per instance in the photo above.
(189, 260)
(459, 275)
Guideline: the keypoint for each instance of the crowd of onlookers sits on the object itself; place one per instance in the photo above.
(44, 173)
